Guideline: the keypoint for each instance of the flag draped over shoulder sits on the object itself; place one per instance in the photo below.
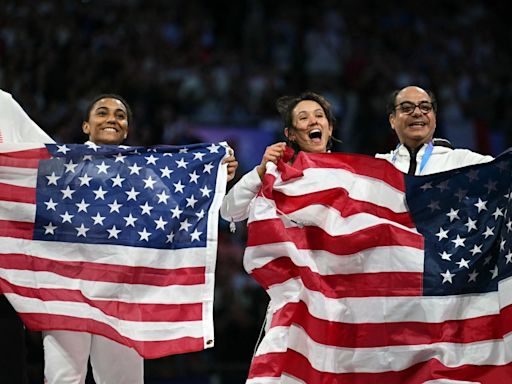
(379, 277)
(115, 241)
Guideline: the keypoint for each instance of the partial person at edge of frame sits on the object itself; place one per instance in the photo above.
(15, 127)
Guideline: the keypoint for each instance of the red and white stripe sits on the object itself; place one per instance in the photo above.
(342, 262)
(159, 302)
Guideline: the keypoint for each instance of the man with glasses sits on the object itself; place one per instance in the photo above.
(412, 115)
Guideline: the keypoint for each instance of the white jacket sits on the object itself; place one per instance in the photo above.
(441, 159)
(16, 126)
(237, 203)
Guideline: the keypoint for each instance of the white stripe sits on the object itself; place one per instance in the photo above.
(428, 309)
(331, 221)
(321, 216)
(208, 255)
(11, 211)
(504, 289)
(378, 259)
(108, 254)
(99, 290)
(268, 380)
(374, 360)
(21, 177)
(17, 147)
(362, 188)
(284, 379)
(135, 330)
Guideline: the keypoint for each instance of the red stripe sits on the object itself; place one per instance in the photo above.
(16, 229)
(296, 365)
(339, 286)
(147, 349)
(359, 164)
(370, 335)
(13, 193)
(119, 309)
(272, 231)
(24, 159)
(338, 199)
(120, 274)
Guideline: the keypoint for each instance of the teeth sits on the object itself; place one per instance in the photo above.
(315, 134)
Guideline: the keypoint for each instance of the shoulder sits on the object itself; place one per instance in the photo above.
(471, 157)
(460, 157)
(385, 156)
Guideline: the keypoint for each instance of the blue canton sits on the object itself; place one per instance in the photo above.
(465, 219)
(156, 197)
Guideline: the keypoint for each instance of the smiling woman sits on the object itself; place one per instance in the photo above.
(107, 119)
(66, 353)
(308, 124)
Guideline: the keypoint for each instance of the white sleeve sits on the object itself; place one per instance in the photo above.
(16, 125)
(237, 202)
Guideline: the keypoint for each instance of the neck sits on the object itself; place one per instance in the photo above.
(415, 145)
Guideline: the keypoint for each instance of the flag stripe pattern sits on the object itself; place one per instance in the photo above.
(116, 241)
(379, 277)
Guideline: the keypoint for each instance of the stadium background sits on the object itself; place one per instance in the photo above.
(197, 70)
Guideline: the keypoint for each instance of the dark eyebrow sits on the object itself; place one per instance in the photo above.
(314, 111)
(115, 111)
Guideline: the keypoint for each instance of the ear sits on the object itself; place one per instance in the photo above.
(86, 128)
(289, 134)
(391, 120)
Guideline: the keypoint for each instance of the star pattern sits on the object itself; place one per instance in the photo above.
(464, 217)
(149, 197)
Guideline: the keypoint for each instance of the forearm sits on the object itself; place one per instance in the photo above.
(236, 204)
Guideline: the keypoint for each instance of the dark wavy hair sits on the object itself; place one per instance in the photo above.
(286, 104)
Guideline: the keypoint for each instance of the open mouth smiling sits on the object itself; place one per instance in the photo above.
(315, 135)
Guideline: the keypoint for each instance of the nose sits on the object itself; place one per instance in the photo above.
(416, 111)
(312, 119)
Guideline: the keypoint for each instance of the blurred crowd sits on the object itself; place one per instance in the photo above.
(184, 64)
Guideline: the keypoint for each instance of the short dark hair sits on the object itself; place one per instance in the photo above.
(108, 96)
(391, 100)
(286, 104)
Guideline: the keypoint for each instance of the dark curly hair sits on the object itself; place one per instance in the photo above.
(286, 104)
(108, 96)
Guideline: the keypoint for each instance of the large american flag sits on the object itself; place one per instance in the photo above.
(116, 241)
(378, 277)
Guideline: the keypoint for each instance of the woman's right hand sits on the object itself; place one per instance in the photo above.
(273, 153)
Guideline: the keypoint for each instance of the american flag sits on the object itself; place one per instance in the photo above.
(378, 277)
(113, 240)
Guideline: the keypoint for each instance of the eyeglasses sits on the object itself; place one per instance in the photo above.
(407, 107)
